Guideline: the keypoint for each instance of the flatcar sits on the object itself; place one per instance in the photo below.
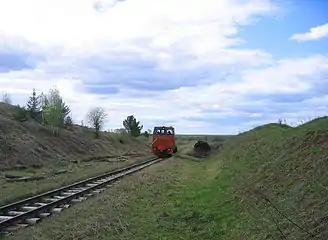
(163, 142)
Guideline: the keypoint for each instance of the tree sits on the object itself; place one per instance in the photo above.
(6, 98)
(54, 110)
(34, 107)
(43, 103)
(132, 126)
(146, 133)
(96, 117)
(68, 122)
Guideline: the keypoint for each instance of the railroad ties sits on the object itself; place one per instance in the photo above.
(31, 210)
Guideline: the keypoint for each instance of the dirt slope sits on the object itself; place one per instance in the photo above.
(30, 143)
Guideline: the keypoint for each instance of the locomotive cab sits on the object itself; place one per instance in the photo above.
(163, 142)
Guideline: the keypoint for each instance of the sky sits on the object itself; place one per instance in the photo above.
(204, 67)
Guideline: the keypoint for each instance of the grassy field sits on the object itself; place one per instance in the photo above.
(268, 183)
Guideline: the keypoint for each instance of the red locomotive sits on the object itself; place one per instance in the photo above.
(163, 142)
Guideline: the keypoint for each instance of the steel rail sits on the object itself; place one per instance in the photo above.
(37, 207)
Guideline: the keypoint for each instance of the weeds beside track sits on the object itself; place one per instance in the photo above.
(29, 211)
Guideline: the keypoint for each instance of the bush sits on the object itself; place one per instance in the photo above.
(20, 114)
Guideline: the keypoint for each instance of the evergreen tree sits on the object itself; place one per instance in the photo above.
(33, 106)
(132, 126)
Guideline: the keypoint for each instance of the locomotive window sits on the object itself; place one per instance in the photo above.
(158, 131)
(163, 131)
(170, 131)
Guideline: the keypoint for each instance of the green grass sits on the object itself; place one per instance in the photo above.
(13, 191)
(285, 166)
(153, 204)
(233, 195)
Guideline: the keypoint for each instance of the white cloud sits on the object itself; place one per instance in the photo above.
(314, 34)
(285, 76)
(176, 106)
(184, 26)
(79, 42)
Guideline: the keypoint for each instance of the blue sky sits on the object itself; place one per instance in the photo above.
(215, 67)
(272, 34)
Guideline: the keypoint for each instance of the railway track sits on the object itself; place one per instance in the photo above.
(31, 210)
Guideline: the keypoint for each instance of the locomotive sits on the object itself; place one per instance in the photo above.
(163, 142)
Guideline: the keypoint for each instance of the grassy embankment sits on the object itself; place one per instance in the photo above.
(30, 149)
(268, 183)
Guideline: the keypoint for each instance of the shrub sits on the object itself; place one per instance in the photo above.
(20, 114)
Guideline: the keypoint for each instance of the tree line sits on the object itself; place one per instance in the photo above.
(51, 110)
